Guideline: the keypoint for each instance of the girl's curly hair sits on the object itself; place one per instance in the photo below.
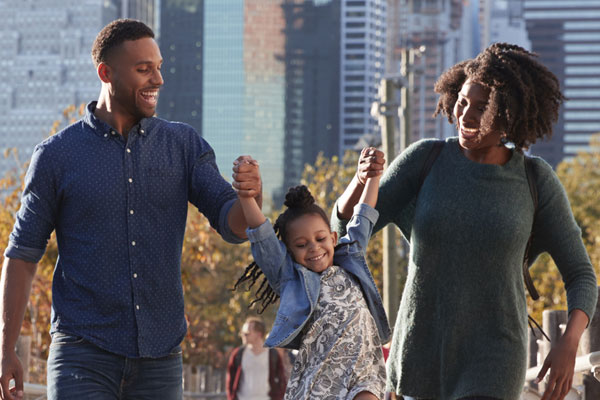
(524, 95)
(299, 201)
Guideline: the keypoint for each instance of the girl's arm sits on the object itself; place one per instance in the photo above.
(253, 214)
(370, 164)
(369, 194)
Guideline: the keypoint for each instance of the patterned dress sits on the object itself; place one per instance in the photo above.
(341, 354)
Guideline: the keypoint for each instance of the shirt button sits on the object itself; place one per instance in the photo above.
(141, 131)
(129, 150)
(113, 133)
(135, 275)
(131, 212)
(133, 243)
(130, 180)
(137, 307)
(106, 135)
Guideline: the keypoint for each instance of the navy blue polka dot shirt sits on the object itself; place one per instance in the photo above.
(119, 208)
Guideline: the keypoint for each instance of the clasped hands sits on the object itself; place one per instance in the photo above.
(246, 177)
(370, 163)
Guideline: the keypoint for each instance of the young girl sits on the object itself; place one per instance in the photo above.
(330, 308)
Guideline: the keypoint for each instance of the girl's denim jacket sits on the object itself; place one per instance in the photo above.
(299, 287)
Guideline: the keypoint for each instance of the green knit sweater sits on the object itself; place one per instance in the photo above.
(462, 324)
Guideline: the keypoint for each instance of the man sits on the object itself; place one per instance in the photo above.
(115, 186)
(255, 372)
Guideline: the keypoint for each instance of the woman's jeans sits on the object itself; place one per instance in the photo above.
(78, 369)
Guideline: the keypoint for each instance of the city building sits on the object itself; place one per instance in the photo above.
(312, 84)
(502, 21)
(566, 35)
(438, 33)
(286, 80)
(243, 105)
(362, 53)
(45, 66)
(180, 44)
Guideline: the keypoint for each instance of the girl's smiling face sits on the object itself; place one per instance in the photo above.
(311, 242)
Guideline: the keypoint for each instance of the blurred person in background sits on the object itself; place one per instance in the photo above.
(255, 372)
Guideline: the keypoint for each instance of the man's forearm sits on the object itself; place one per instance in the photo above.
(15, 286)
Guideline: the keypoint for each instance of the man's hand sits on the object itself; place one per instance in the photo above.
(11, 368)
(370, 164)
(246, 177)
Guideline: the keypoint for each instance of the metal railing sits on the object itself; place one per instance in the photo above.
(589, 362)
(34, 391)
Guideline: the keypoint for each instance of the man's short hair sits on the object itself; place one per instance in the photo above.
(257, 324)
(114, 34)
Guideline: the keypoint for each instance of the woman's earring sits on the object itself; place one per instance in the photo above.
(503, 140)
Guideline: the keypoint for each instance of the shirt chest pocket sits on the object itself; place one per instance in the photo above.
(164, 187)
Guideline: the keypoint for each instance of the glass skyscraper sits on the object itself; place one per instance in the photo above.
(181, 47)
(243, 110)
(566, 35)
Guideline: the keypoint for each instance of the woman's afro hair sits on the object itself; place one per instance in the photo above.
(524, 95)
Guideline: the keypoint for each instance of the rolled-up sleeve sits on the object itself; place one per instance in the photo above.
(212, 194)
(36, 217)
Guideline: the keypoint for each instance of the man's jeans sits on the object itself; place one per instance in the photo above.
(78, 369)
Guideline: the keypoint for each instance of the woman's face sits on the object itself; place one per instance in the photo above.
(469, 108)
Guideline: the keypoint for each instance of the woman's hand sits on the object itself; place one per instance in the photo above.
(561, 359)
(561, 362)
(370, 164)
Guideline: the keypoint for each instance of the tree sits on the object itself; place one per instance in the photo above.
(581, 178)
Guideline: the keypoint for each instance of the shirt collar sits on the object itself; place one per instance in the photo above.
(104, 130)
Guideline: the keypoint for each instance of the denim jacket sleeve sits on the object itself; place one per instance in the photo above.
(269, 253)
(361, 225)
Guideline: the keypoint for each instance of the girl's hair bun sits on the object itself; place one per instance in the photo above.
(299, 197)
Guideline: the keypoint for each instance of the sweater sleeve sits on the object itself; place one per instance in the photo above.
(555, 231)
(397, 189)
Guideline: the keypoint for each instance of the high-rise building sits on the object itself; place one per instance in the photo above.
(439, 33)
(566, 35)
(272, 81)
(502, 21)
(312, 82)
(243, 108)
(362, 53)
(46, 65)
(147, 11)
(181, 47)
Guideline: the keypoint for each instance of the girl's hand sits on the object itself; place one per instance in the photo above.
(370, 164)
(561, 362)
(246, 177)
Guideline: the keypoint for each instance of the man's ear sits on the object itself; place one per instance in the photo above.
(104, 72)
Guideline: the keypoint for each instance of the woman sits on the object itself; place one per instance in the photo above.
(461, 331)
